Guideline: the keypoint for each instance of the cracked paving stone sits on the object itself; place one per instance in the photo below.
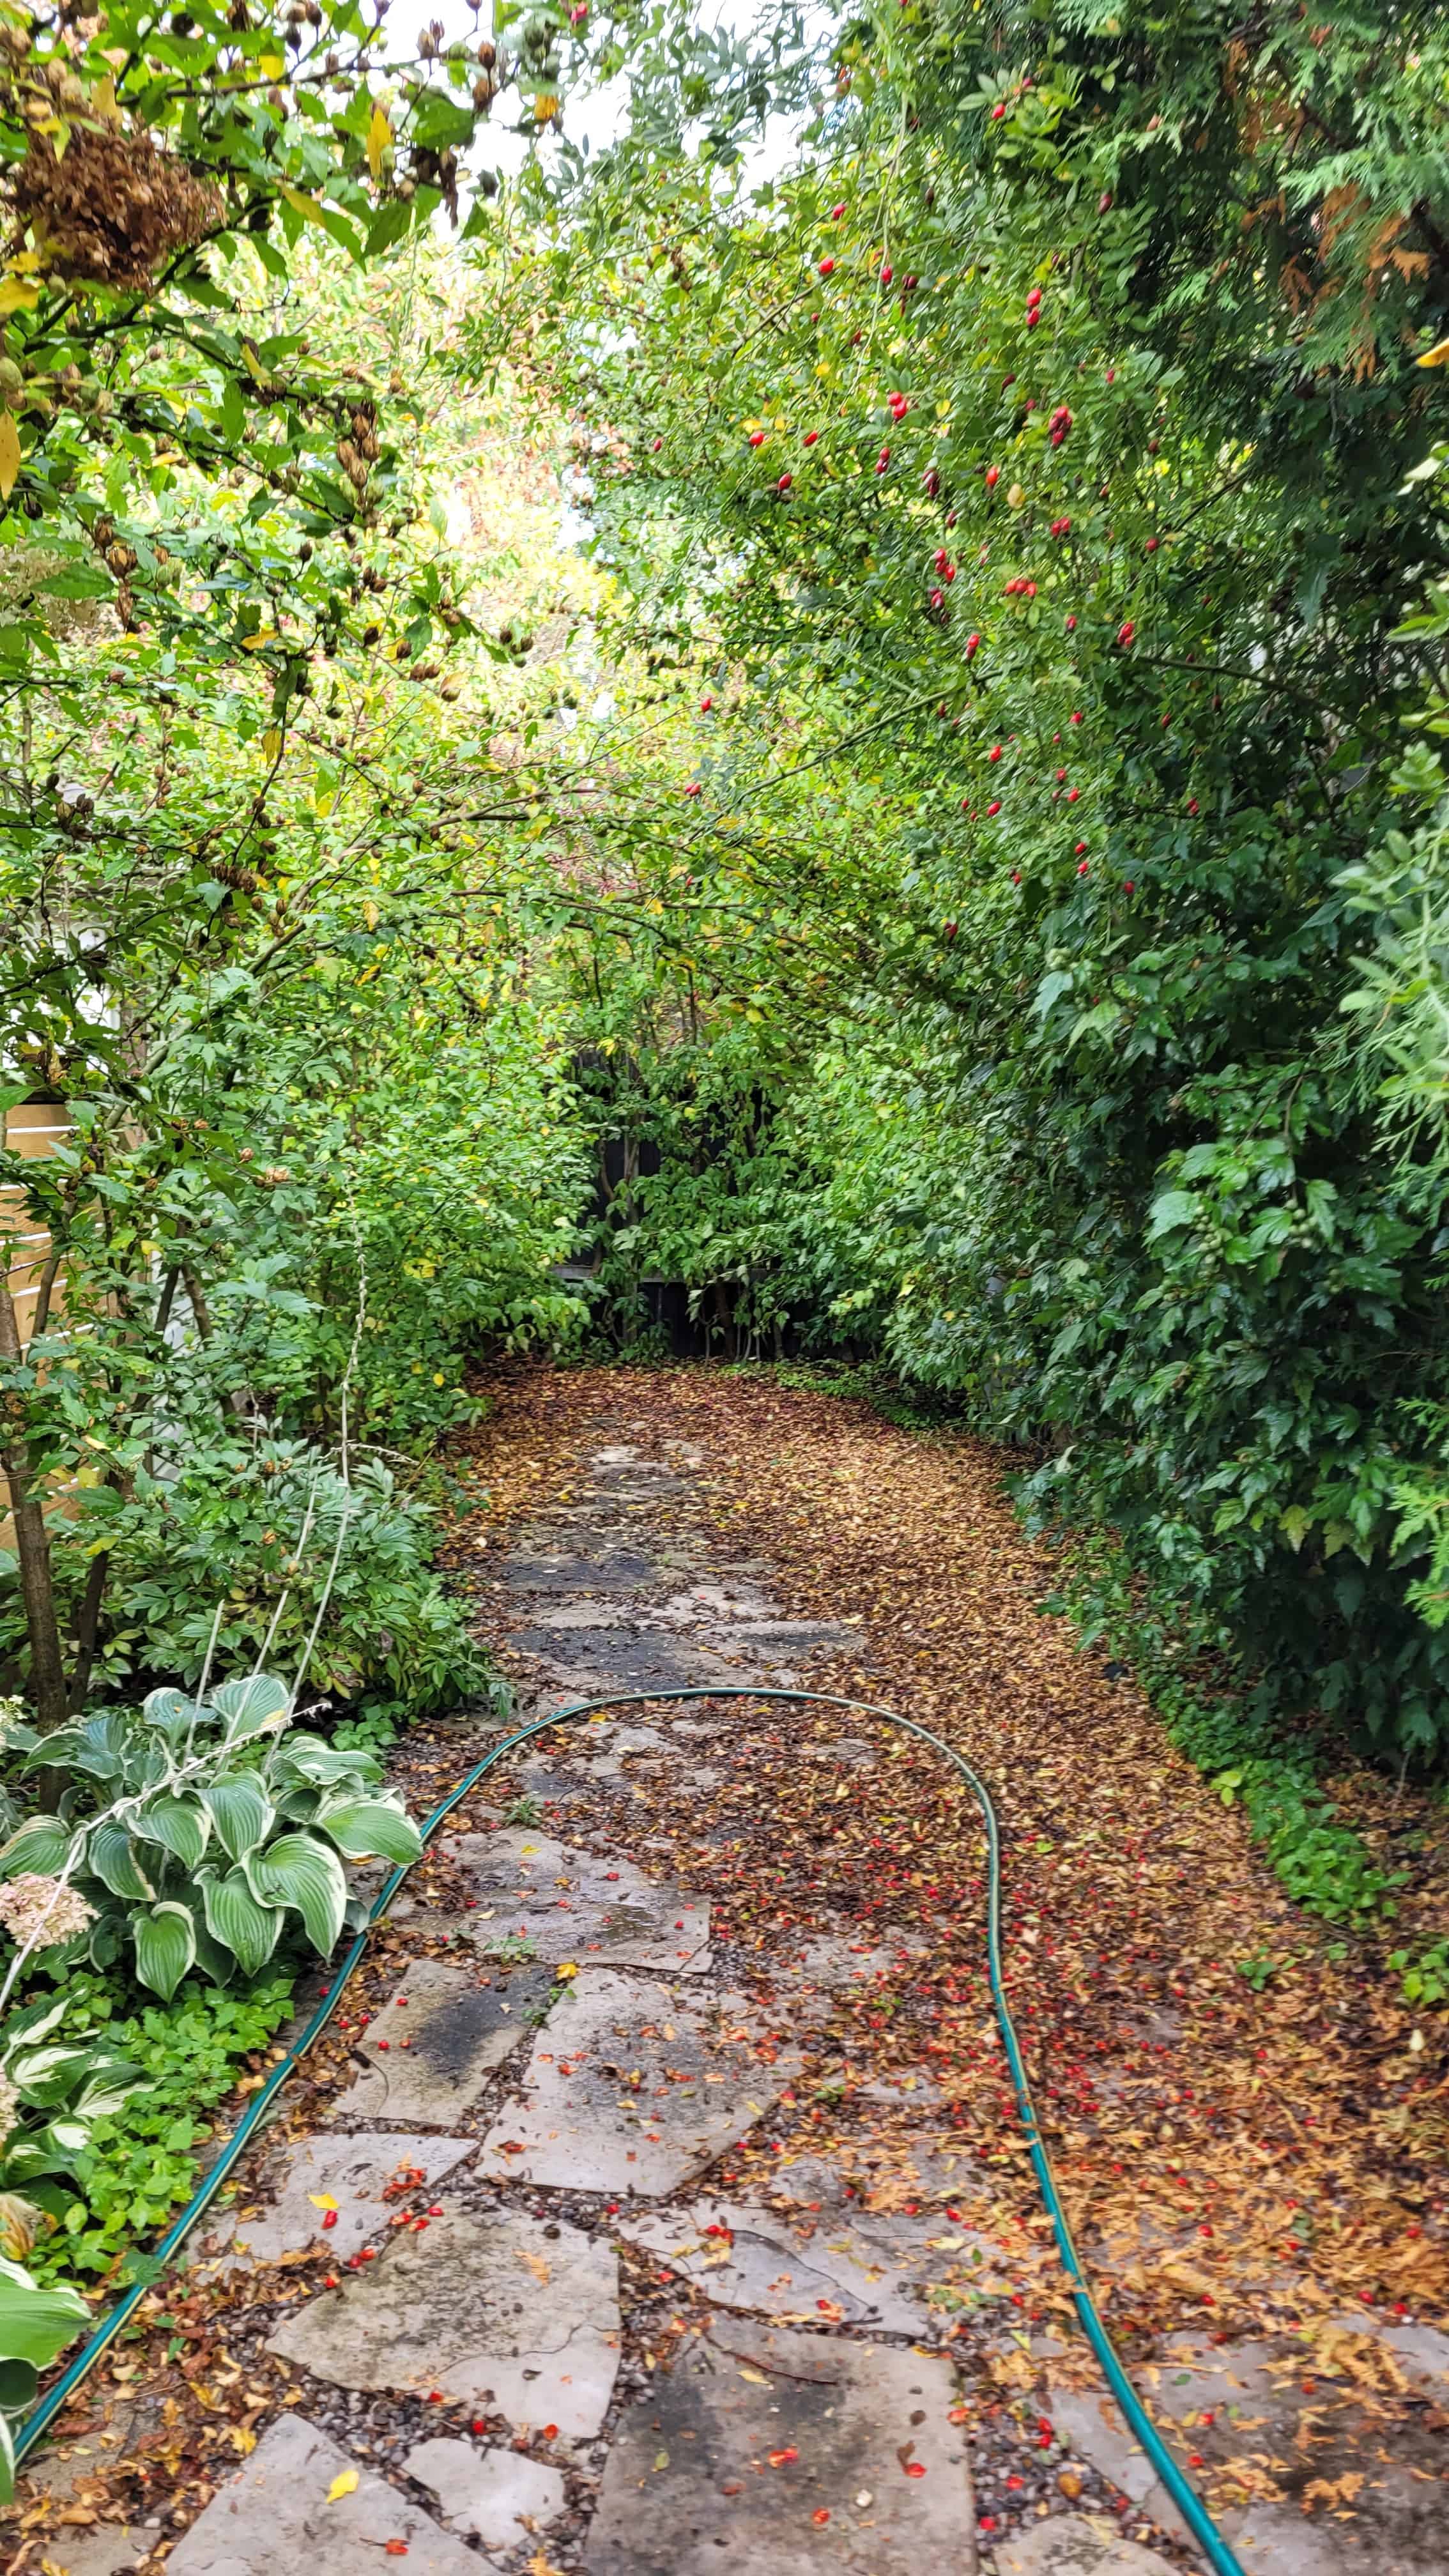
(785, 2454)
(858, 2271)
(273, 2518)
(627, 2090)
(573, 1905)
(489, 2492)
(351, 2171)
(434, 2045)
(497, 2310)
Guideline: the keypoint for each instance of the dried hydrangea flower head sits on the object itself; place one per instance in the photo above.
(38, 1911)
(9, 2107)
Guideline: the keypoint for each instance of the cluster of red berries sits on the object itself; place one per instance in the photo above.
(1033, 308)
(1020, 590)
(1059, 424)
(931, 483)
(1061, 527)
(899, 406)
(882, 462)
(1125, 632)
(944, 565)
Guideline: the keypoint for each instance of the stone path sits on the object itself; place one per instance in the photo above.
(524, 2194)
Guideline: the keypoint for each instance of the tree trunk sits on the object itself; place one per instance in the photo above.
(47, 1670)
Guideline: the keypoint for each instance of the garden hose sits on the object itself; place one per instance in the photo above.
(1194, 2513)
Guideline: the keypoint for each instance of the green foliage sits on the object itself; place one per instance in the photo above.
(36, 2323)
(142, 2162)
(219, 1822)
(1024, 924)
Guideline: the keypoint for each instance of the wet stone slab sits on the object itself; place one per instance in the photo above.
(516, 2314)
(435, 2044)
(350, 2172)
(726, 2461)
(572, 1905)
(497, 2496)
(633, 2087)
(273, 2518)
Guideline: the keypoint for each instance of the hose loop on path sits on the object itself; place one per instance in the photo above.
(1189, 2504)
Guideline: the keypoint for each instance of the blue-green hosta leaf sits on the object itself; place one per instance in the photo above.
(257, 1706)
(112, 1857)
(371, 1829)
(172, 1712)
(300, 1871)
(241, 1811)
(16, 1736)
(165, 1950)
(42, 1845)
(237, 1919)
(182, 1826)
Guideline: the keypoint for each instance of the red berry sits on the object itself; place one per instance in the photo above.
(704, 705)
(1127, 886)
(810, 437)
(837, 211)
(1071, 624)
(784, 483)
(658, 443)
(886, 275)
(1072, 794)
(1076, 717)
(1126, 631)
(1082, 866)
(1016, 876)
(997, 114)
(1152, 545)
(757, 438)
(994, 807)
(973, 645)
(827, 268)
(329, 2217)
(995, 752)
(1081, 845)
(993, 477)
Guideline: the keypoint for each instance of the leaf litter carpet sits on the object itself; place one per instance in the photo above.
(659, 2204)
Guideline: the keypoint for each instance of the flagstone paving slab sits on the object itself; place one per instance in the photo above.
(749, 2258)
(436, 2042)
(726, 2462)
(506, 2311)
(631, 2089)
(350, 2171)
(273, 2518)
(1072, 2545)
(489, 2492)
(573, 1905)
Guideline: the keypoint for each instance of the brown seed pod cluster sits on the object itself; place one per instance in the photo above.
(358, 446)
(120, 559)
(114, 210)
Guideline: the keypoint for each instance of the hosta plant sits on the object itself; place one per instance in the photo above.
(218, 1828)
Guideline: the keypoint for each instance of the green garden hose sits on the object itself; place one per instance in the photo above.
(1194, 2513)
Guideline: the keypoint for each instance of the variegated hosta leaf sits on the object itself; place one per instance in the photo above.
(42, 1844)
(181, 1825)
(240, 1810)
(300, 1871)
(257, 1706)
(239, 1921)
(371, 1829)
(165, 1949)
(115, 1860)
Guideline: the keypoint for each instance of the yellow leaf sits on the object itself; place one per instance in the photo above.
(1438, 356)
(565, 1969)
(345, 2483)
(9, 455)
(271, 743)
(756, 2378)
(321, 2200)
(544, 106)
(18, 297)
(1016, 496)
(370, 914)
(274, 65)
(379, 136)
(253, 365)
(304, 204)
